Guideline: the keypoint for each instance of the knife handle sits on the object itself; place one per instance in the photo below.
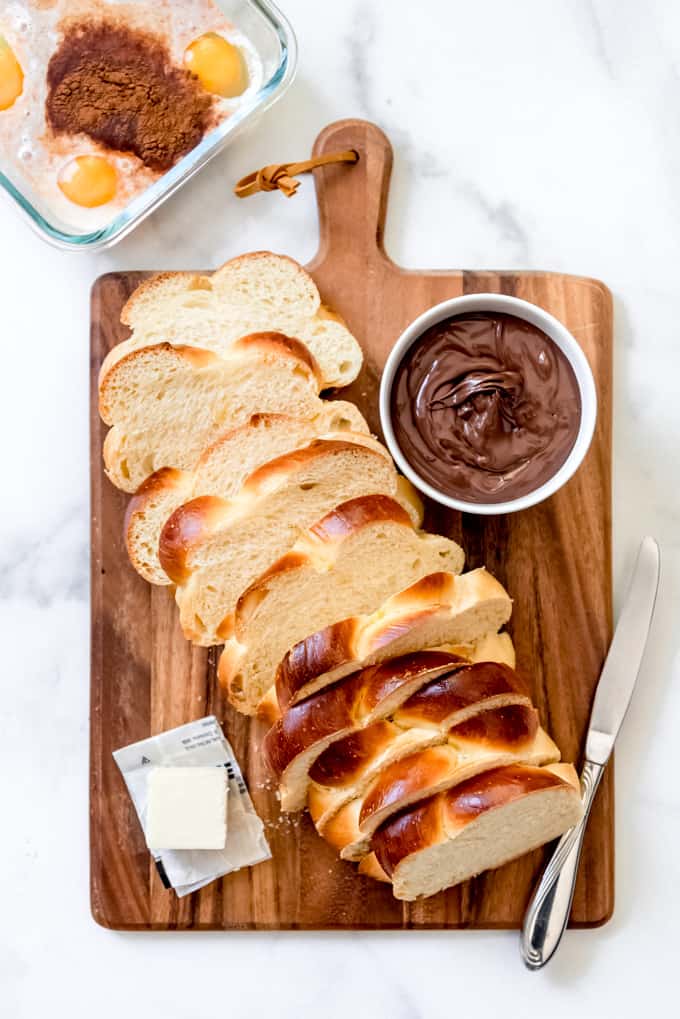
(548, 911)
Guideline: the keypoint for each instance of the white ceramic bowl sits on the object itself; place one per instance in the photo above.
(557, 333)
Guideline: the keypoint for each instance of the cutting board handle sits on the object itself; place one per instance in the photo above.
(361, 187)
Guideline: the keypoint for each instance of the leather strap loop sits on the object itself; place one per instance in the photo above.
(282, 176)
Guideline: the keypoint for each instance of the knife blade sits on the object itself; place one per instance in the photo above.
(621, 667)
(548, 911)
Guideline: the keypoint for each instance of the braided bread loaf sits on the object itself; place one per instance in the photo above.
(369, 750)
(213, 548)
(491, 739)
(165, 404)
(480, 824)
(256, 292)
(439, 609)
(480, 727)
(306, 729)
(346, 564)
(220, 470)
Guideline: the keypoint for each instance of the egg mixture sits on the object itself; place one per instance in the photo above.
(99, 98)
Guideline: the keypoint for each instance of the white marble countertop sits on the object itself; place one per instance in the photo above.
(526, 135)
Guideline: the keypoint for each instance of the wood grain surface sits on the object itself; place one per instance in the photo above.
(554, 560)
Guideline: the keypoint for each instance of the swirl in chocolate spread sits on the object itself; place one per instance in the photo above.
(485, 407)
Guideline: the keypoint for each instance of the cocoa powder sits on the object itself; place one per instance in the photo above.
(118, 85)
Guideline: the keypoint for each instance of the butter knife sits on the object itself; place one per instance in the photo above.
(548, 911)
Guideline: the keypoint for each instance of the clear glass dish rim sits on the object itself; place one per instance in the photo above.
(142, 206)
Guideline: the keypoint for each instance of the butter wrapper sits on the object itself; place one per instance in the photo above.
(198, 743)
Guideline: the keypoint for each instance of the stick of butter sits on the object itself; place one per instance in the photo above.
(187, 808)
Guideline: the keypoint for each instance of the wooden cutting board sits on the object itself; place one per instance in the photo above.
(554, 559)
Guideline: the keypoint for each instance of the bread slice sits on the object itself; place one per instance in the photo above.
(166, 404)
(493, 739)
(478, 825)
(440, 608)
(306, 729)
(220, 470)
(453, 700)
(348, 563)
(213, 549)
(257, 292)
(492, 713)
(491, 647)
(345, 770)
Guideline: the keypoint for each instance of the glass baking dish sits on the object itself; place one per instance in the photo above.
(273, 38)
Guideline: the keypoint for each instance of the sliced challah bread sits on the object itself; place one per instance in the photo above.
(221, 470)
(307, 729)
(440, 608)
(213, 549)
(165, 404)
(488, 719)
(492, 739)
(346, 768)
(256, 292)
(478, 825)
(346, 564)
(492, 647)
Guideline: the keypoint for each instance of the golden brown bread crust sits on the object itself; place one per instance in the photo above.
(335, 651)
(325, 312)
(193, 522)
(297, 459)
(341, 831)
(343, 521)
(431, 821)
(170, 487)
(276, 343)
(331, 648)
(353, 515)
(445, 702)
(184, 528)
(253, 595)
(268, 710)
(403, 782)
(439, 703)
(348, 749)
(349, 704)
(502, 728)
(495, 731)
(349, 817)
(369, 867)
(345, 761)
(343, 770)
(317, 654)
(324, 800)
(167, 478)
(224, 287)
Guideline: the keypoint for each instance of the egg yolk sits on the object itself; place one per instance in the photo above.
(11, 76)
(88, 181)
(218, 65)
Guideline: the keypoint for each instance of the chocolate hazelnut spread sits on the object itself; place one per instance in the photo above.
(485, 407)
